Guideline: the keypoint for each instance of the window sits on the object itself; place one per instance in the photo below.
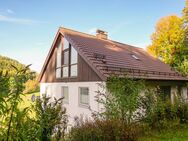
(74, 61)
(65, 94)
(165, 92)
(58, 61)
(135, 57)
(66, 59)
(48, 91)
(66, 44)
(73, 70)
(84, 96)
(74, 56)
(65, 71)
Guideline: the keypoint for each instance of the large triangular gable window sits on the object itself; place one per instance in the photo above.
(68, 60)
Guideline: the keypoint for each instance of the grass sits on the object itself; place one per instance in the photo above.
(27, 102)
(27, 99)
(174, 134)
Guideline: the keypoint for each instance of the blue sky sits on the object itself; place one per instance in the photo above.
(27, 28)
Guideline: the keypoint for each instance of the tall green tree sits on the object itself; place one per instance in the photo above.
(184, 65)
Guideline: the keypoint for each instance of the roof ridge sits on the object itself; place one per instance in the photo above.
(109, 40)
(64, 28)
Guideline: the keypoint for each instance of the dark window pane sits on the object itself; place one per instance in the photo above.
(165, 92)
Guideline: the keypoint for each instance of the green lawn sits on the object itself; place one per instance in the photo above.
(174, 134)
(27, 99)
(27, 102)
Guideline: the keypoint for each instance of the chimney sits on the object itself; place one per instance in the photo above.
(101, 34)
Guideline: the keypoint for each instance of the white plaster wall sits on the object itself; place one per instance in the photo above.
(73, 108)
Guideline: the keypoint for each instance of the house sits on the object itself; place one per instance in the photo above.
(77, 62)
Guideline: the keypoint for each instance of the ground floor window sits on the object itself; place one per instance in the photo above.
(48, 91)
(84, 96)
(165, 92)
(65, 94)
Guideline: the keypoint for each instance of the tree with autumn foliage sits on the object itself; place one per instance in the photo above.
(167, 40)
(168, 43)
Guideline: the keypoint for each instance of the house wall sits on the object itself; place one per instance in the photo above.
(183, 93)
(73, 107)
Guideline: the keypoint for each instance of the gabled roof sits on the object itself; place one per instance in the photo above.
(107, 57)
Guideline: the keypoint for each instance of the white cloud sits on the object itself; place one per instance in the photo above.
(9, 11)
(18, 20)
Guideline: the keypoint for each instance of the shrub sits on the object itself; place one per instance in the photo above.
(15, 124)
(50, 121)
(159, 114)
(122, 101)
(104, 130)
(182, 112)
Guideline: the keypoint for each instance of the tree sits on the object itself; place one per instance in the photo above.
(31, 86)
(184, 65)
(168, 41)
(185, 23)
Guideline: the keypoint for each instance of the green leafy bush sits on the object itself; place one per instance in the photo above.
(15, 124)
(122, 99)
(104, 130)
(182, 112)
(50, 121)
(162, 114)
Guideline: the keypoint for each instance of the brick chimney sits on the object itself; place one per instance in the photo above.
(100, 34)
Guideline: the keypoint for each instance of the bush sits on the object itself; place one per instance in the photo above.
(51, 120)
(182, 112)
(104, 130)
(122, 101)
(162, 114)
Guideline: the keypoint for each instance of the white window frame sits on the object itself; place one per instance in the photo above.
(62, 94)
(79, 96)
